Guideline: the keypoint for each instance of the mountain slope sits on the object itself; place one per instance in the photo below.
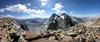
(63, 21)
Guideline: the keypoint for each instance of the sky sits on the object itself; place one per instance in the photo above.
(45, 8)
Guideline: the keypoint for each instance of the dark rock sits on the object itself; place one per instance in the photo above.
(24, 27)
(15, 37)
(53, 25)
(60, 22)
(53, 22)
(53, 17)
(64, 21)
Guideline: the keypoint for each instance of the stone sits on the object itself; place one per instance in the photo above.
(68, 39)
(52, 38)
(4, 39)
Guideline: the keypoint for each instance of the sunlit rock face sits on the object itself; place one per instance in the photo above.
(9, 29)
(60, 21)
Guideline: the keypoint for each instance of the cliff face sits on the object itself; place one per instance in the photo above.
(60, 22)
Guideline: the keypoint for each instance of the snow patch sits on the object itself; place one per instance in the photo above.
(62, 17)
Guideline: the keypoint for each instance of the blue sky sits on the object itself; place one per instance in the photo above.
(45, 8)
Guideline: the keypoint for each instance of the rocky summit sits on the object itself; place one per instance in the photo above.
(57, 28)
(60, 22)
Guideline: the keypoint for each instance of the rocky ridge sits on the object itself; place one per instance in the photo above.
(60, 29)
(60, 22)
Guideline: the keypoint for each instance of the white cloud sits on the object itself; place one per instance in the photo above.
(44, 2)
(23, 9)
(36, 13)
(15, 8)
(58, 8)
(8, 16)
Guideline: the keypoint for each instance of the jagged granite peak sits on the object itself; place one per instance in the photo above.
(54, 16)
(60, 21)
(65, 21)
(64, 16)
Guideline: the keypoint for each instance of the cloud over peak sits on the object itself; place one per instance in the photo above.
(58, 7)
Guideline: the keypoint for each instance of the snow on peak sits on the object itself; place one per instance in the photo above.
(62, 17)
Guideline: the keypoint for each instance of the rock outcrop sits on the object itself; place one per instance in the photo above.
(10, 30)
(60, 22)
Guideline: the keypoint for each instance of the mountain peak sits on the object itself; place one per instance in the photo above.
(63, 21)
(64, 15)
(53, 17)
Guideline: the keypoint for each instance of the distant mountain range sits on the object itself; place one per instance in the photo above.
(56, 21)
